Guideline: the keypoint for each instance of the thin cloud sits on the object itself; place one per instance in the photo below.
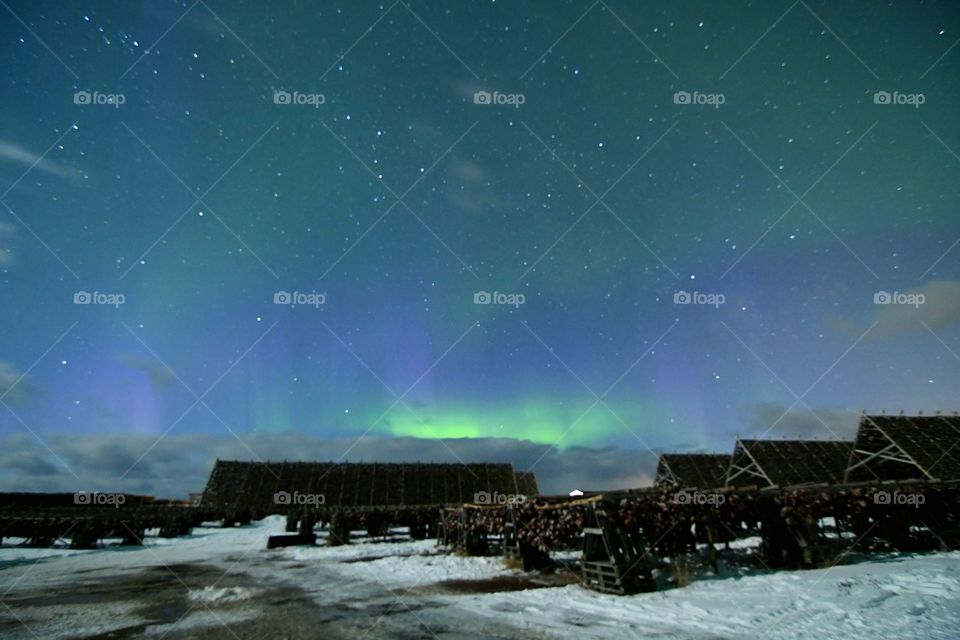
(6, 244)
(10, 388)
(158, 374)
(13, 153)
(940, 309)
(180, 464)
(826, 424)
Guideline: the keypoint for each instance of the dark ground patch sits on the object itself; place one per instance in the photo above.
(291, 600)
(498, 584)
(279, 608)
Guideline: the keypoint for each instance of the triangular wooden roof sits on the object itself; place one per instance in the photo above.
(252, 485)
(902, 447)
(702, 470)
(785, 463)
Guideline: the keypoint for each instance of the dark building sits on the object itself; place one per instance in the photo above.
(701, 470)
(263, 488)
(906, 447)
(785, 463)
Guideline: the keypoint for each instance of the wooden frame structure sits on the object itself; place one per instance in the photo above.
(783, 463)
(614, 556)
(251, 487)
(700, 470)
(905, 447)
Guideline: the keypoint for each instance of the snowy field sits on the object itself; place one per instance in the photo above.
(224, 583)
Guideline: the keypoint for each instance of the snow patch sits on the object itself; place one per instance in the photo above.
(222, 595)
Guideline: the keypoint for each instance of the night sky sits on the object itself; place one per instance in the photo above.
(788, 191)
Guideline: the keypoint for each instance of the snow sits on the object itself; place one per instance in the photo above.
(909, 597)
(201, 619)
(226, 594)
(402, 564)
(230, 579)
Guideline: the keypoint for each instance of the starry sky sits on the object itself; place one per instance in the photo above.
(284, 218)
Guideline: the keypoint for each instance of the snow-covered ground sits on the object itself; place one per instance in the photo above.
(224, 583)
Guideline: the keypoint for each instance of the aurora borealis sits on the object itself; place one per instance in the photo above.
(400, 195)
